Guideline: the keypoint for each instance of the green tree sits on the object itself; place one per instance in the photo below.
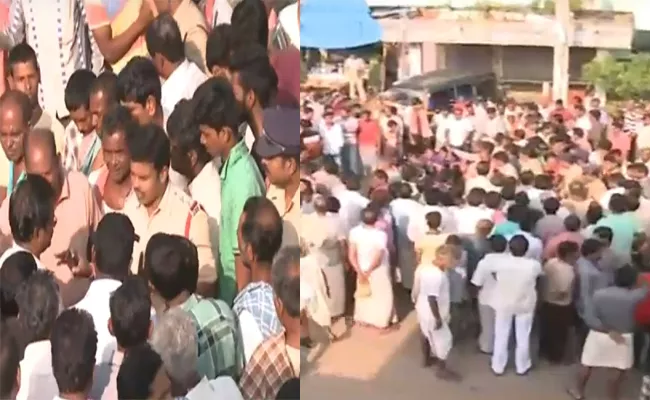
(623, 79)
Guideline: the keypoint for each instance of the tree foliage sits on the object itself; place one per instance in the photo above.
(624, 79)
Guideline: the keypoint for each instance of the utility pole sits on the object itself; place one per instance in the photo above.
(564, 35)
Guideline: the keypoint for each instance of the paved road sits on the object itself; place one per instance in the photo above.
(369, 365)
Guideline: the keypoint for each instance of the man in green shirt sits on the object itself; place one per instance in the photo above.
(217, 114)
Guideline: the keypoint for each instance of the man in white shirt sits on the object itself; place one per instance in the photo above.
(487, 284)
(352, 203)
(40, 305)
(583, 120)
(482, 180)
(515, 298)
(113, 248)
(332, 134)
(468, 216)
(458, 129)
(181, 76)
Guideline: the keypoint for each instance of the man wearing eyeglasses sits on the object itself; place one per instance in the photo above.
(279, 149)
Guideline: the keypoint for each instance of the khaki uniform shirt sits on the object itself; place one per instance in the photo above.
(290, 214)
(177, 214)
(192, 25)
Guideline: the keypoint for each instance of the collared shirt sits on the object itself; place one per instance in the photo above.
(240, 180)
(56, 30)
(352, 203)
(516, 278)
(590, 279)
(202, 189)
(80, 151)
(16, 249)
(290, 214)
(181, 84)
(191, 22)
(224, 387)
(268, 369)
(256, 300)
(36, 376)
(78, 214)
(485, 280)
(558, 282)
(220, 344)
(550, 250)
(96, 303)
(177, 214)
(119, 14)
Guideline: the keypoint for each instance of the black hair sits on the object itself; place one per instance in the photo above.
(106, 82)
(31, 207)
(626, 277)
(138, 81)
(38, 301)
(567, 248)
(118, 119)
(594, 213)
(217, 48)
(77, 91)
(551, 205)
(215, 105)
(150, 145)
(286, 283)
(475, 197)
(183, 130)
(14, 272)
(9, 359)
(493, 200)
(590, 246)
(113, 243)
(290, 390)
(572, 223)
(604, 233)
(163, 36)
(255, 72)
(137, 372)
(249, 22)
(130, 306)
(261, 228)
(434, 219)
(518, 245)
(618, 203)
(498, 243)
(74, 345)
(521, 199)
(15, 97)
(169, 266)
(21, 53)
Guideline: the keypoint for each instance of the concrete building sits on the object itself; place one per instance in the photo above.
(517, 44)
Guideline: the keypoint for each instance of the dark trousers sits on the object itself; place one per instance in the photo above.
(555, 322)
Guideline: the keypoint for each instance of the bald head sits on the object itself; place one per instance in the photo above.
(40, 146)
(320, 204)
(261, 229)
(13, 101)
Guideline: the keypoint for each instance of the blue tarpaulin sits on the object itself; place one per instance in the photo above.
(337, 24)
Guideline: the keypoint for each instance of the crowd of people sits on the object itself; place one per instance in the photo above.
(503, 220)
(149, 186)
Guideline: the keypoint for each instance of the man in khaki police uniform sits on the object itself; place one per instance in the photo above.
(279, 149)
(157, 206)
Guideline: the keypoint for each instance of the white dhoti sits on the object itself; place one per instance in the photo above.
(406, 260)
(602, 351)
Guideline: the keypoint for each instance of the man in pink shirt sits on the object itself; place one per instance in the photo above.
(572, 225)
(620, 140)
(76, 208)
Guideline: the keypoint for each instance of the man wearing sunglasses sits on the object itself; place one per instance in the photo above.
(279, 149)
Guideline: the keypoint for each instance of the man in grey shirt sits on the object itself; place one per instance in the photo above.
(590, 279)
(613, 315)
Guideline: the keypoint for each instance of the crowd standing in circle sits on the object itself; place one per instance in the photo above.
(503, 220)
(149, 201)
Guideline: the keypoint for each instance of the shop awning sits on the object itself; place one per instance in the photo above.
(337, 24)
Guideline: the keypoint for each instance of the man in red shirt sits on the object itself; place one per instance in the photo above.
(369, 140)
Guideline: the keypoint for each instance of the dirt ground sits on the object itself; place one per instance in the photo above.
(369, 365)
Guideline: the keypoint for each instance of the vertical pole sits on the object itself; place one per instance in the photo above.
(564, 32)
